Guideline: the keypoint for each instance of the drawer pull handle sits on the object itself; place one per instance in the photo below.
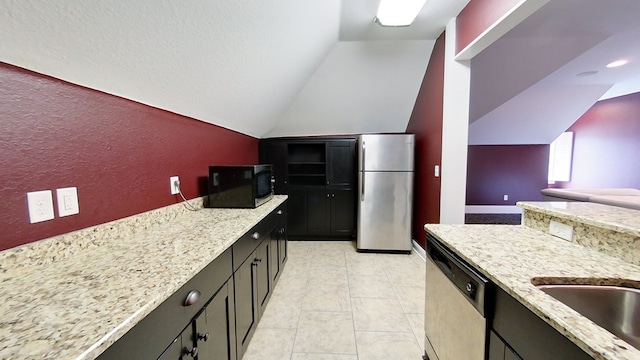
(192, 298)
(255, 235)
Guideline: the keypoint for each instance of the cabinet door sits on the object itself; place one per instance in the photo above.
(174, 351)
(182, 348)
(278, 250)
(275, 153)
(246, 307)
(297, 211)
(215, 327)
(318, 208)
(343, 216)
(273, 255)
(262, 273)
(341, 160)
(282, 247)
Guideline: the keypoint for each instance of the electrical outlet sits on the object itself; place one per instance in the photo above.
(174, 181)
(67, 201)
(561, 230)
(40, 205)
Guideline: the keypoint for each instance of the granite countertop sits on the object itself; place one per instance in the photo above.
(513, 255)
(80, 297)
(599, 215)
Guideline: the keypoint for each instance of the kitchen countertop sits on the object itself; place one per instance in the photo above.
(614, 218)
(71, 301)
(512, 255)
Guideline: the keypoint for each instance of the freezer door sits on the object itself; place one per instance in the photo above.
(384, 211)
(392, 152)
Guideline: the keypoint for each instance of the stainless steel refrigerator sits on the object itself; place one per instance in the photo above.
(385, 197)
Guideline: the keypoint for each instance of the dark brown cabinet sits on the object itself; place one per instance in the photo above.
(320, 176)
(517, 333)
(278, 250)
(214, 315)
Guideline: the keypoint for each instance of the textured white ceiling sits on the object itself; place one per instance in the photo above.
(256, 67)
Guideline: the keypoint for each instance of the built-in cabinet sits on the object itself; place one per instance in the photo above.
(319, 176)
(519, 334)
(214, 315)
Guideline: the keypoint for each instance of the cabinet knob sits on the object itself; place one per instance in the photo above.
(192, 298)
(204, 337)
(279, 212)
(327, 182)
(193, 352)
(333, 195)
(281, 231)
(255, 235)
(258, 260)
(327, 195)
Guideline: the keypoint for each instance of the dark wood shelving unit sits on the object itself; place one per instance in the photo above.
(318, 175)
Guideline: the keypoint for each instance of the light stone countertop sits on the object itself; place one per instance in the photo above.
(73, 296)
(512, 255)
(599, 215)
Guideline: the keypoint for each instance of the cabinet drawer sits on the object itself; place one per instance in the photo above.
(250, 241)
(149, 338)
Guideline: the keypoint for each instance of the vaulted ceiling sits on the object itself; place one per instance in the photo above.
(263, 68)
(323, 67)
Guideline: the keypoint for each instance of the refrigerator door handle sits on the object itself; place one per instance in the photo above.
(361, 185)
(363, 151)
(364, 147)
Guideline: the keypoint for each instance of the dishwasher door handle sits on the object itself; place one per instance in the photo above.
(441, 261)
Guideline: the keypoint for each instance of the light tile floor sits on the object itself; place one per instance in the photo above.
(333, 303)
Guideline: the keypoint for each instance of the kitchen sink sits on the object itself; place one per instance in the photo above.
(614, 308)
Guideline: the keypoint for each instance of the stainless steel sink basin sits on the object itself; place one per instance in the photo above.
(616, 309)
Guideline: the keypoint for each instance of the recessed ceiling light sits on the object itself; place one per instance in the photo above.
(587, 73)
(616, 63)
(397, 12)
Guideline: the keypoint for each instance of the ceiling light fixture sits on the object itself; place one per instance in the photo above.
(398, 12)
(616, 63)
(587, 73)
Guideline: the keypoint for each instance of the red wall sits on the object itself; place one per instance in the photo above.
(426, 124)
(118, 153)
(477, 17)
(519, 171)
(607, 145)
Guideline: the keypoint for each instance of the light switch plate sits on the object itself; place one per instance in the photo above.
(40, 206)
(561, 230)
(67, 201)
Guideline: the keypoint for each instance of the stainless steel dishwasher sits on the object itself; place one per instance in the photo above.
(456, 306)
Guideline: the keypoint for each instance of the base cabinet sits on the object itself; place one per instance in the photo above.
(519, 334)
(215, 314)
(214, 329)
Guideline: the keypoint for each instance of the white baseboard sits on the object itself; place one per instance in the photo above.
(419, 250)
(492, 209)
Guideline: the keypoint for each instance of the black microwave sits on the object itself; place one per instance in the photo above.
(239, 186)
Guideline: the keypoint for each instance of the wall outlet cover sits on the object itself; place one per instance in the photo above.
(561, 230)
(40, 204)
(172, 181)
